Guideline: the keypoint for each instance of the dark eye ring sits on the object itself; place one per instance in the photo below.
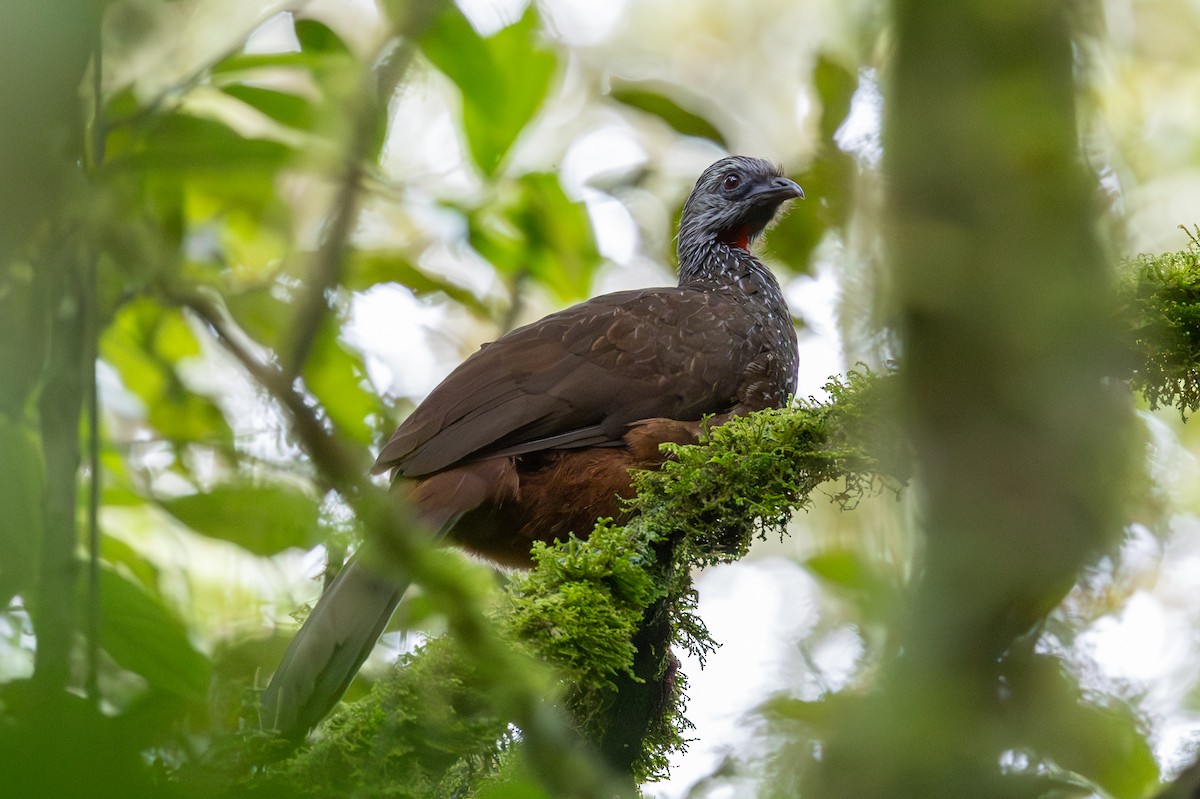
(731, 181)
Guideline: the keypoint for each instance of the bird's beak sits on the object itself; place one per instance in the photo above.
(776, 190)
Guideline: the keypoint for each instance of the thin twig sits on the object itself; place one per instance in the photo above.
(91, 326)
(93, 612)
(330, 257)
(337, 462)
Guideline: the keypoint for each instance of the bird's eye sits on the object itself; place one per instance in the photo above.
(731, 181)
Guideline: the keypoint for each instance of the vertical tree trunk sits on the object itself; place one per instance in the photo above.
(60, 406)
(44, 50)
(1003, 299)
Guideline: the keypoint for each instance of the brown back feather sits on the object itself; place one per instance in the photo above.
(580, 377)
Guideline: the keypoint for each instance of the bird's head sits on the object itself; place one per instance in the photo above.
(733, 201)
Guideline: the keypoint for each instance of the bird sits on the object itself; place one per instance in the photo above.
(534, 435)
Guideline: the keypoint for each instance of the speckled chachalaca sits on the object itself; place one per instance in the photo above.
(533, 436)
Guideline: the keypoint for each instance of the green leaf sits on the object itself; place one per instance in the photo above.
(324, 62)
(654, 101)
(252, 62)
(830, 177)
(856, 575)
(835, 86)
(317, 37)
(840, 567)
(535, 230)
(21, 478)
(119, 553)
(179, 143)
(264, 519)
(145, 637)
(144, 344)
(337, 377)
(503, 79)
(818, 713)
(179, 163)
(289, 109)
(117, 488)
(260, 313)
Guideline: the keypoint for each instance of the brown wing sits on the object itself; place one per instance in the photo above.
(579, 377)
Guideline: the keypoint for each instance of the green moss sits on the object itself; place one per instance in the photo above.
(427, 731)
(749, 475)
(1163, 310)
(581, 606)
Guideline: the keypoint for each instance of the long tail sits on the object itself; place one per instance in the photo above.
(332, 644)
(350, 616)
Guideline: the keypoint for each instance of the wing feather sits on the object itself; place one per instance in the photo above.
(579, 377)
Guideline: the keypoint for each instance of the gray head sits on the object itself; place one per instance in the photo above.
(733, 201)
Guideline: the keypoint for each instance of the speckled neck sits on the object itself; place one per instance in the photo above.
(716, 264)
(718, 267)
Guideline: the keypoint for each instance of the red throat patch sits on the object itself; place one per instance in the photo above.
(741, 237)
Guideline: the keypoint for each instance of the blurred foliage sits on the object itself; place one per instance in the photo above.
(425, 731)
(533, 231)
(199, 196)
(655, 101)
(1004, 323)
(147, 638)
(21, 526)
(830, 175)
(264, 519)
(503, 79)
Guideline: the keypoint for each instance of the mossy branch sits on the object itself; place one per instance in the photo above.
(1162, 310)
(603, 612)
(705, 506)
